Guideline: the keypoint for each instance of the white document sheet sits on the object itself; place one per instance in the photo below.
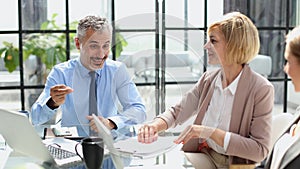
(131, 146)
(141, 150)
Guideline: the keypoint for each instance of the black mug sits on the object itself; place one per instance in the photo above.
(92, 150)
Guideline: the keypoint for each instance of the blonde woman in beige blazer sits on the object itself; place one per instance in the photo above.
(233, 104)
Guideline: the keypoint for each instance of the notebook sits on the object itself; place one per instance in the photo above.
(21, 136)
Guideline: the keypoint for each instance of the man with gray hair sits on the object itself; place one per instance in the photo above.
(90, 84)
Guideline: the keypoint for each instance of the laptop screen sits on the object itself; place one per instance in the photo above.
(21, 136)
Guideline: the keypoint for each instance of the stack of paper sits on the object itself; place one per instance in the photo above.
(137, 149)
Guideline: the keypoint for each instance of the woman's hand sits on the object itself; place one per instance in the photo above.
(194, 131)
(148, 133)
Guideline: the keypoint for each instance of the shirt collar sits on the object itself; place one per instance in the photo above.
(233, 86)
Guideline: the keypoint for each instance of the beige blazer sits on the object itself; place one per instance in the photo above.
(251, 118)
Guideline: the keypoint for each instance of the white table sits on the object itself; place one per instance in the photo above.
(173, 158)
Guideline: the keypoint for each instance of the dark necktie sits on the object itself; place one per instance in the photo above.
(92, 99)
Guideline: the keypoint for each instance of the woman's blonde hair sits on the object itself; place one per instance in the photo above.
(241, 36)
(293, 39)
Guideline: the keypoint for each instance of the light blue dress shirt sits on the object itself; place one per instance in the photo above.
(117, 96)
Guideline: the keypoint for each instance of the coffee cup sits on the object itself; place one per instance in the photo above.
(92, 152)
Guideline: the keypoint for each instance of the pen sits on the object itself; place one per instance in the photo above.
(136, 165)
(45, 133)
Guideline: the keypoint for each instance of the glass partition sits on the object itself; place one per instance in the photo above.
(9, 15)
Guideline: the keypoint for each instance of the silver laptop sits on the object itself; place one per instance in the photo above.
(21, 136)
(105, 134)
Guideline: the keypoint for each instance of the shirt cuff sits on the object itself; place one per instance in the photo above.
(226, 140)
(115, 126)
(118, 121)
(45, 106)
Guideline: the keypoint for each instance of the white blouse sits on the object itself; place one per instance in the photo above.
(219, 111)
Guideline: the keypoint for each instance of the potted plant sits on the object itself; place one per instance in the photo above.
(119, 43)
(49, 48)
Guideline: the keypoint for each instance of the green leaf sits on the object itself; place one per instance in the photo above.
(120, 43)
(39, 52)
(54, 16)
(7, 44)
(119, 50)
(11, 61)
(50, 60)
(124, 42)
(121, 39)
(44, 25)
(26, 54)
(15, 54)
(61, 54)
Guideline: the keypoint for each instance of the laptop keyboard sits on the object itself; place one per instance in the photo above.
(59, 153)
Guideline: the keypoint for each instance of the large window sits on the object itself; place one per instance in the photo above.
(274, 20)
(164, 51)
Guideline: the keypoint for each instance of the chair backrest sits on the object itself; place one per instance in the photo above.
(178, 59)
(280, 123)
(262, 64)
